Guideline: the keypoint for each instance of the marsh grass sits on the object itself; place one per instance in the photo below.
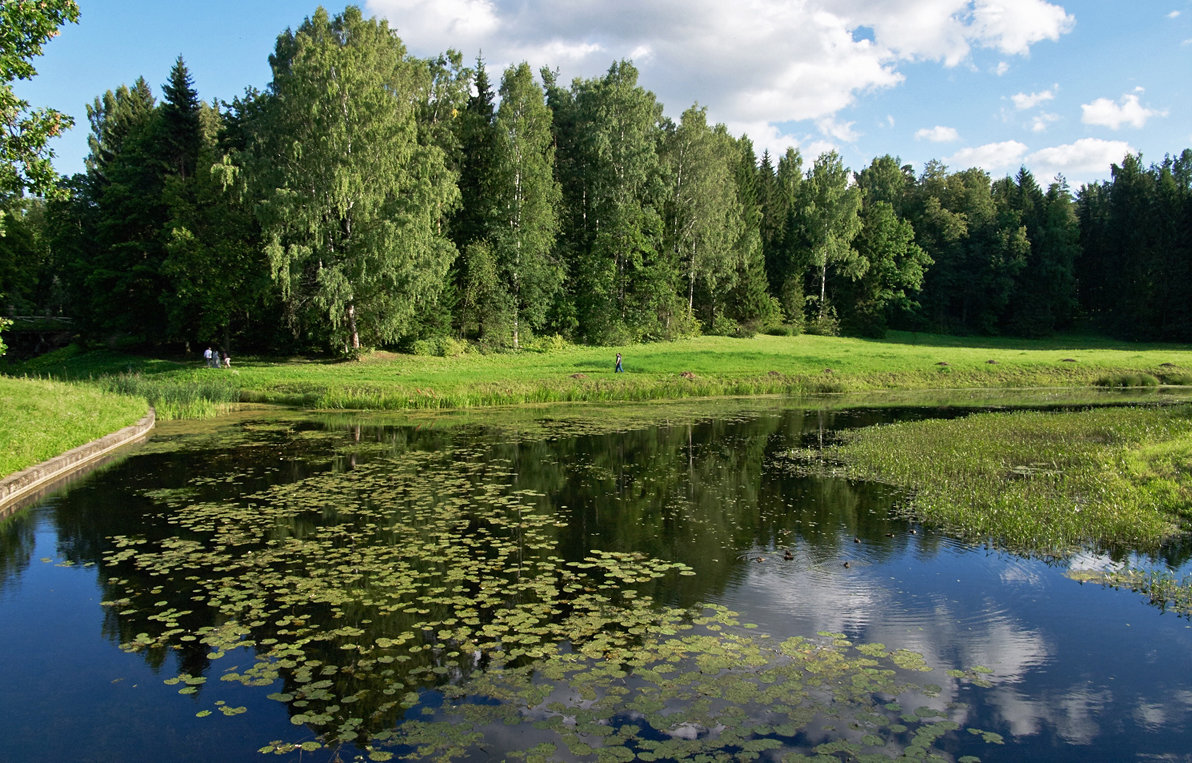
(1161, 587)
(45, 418)
(176, 398)
(699, 367)
(1035, 482)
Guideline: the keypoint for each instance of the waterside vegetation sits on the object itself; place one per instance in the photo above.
(1036, 482)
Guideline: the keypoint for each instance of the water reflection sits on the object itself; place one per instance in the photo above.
(208, 518)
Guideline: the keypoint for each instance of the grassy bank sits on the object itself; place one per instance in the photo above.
(1036, 482)
(45, 418)
(701, 367)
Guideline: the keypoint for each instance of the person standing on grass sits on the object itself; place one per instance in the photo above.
(208, 355)
(618, 369)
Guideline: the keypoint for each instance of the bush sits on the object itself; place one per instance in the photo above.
(1127, 380)
(722, 326)
(784, 329)
(552, 343)
(824, 324)
(440, 346)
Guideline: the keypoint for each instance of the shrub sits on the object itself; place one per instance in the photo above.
(1127, 379)
(440, 346)
(824, 324)
(552, 343)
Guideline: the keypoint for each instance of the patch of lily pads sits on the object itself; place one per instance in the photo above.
(419, 605)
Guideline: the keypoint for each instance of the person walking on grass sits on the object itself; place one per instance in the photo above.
(618, 369)
(209, 356)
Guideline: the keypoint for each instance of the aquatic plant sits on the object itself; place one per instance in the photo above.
(416, 601)
(1161, 587)
(1034, 482)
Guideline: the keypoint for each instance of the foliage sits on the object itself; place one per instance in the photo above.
(575, 210)
(24, 157)
(352, 197)
(527, 202)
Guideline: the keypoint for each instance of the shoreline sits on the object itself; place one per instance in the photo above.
(17, 490)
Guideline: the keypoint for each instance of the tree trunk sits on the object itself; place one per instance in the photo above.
(823, 286)
(352, 330)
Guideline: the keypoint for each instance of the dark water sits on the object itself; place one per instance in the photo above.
(1074, 672)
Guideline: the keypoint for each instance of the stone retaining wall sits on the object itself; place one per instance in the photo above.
(16, 489)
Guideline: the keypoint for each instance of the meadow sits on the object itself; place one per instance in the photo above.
(556, 372)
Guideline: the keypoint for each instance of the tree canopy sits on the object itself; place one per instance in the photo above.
(369, 198)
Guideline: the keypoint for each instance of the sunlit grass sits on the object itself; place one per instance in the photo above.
(45, 418)
(1038, 482)
(700, 367)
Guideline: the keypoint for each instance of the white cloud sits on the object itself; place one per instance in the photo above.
(992, 157)
(1001, 68)
(766, 136)
(938, 134)
(1012, 26)
(467, 21)
(1085, 156)
(1041, 122)
(1173, 15)
(1024, 101)
(842, 131)
(1127, 111)
(752, 61)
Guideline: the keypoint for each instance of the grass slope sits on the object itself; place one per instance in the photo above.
(45, 418)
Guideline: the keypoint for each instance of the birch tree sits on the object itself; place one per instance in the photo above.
(529, 200)
(352, 199)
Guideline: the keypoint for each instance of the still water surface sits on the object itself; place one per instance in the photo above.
(1065, 671)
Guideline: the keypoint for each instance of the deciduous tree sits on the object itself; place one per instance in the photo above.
(352, 214)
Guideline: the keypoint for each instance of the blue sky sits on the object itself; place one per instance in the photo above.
(1060, 87)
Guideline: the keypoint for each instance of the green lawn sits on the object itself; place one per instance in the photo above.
(45, 418)
(704, 366)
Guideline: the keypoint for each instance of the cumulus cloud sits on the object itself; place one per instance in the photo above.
(1087, 155)
(1040, 122)
(1024, 101)
(842, 131)
(1012, 26)
(1127, 111)
(756, 61)
(991, 157)
(938, 134)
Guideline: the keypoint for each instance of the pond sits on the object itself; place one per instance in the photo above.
(584, 583)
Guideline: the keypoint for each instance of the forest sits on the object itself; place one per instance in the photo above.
(368, 198)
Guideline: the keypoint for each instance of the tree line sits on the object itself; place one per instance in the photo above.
(370, 198)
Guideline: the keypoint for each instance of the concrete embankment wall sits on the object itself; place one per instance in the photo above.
(19, 489)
